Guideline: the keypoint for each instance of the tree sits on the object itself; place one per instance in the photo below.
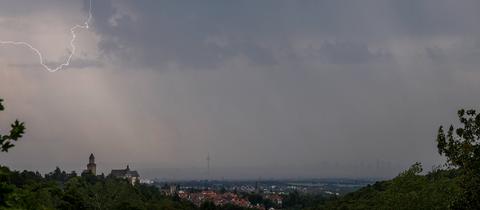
(17, 130)
(57, 175)
(208, 205)
(461, 147)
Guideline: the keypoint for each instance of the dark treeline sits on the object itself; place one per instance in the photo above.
(61, 190)
(409, 190)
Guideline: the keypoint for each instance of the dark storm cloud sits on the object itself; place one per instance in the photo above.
(193, 34)
(296, 88)
(202, 35)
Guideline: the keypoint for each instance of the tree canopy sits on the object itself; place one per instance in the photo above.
(461, 147)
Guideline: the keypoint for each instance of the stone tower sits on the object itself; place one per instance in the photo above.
(92, 167)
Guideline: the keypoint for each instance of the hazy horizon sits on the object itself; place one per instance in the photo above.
(382, 170)
(274, 88)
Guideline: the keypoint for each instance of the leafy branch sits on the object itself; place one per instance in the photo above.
(16, 132)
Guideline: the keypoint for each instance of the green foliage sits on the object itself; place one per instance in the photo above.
(208, 205)
(409, 190)
(16, 131)
(61, 190)
(295, 200)
(258, 199)
(461, 146)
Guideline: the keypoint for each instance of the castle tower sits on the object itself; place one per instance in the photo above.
(92, 167)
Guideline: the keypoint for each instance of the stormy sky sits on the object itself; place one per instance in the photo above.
(270, 89)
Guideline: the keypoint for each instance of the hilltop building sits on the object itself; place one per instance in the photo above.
(131, 176)
(91, 166)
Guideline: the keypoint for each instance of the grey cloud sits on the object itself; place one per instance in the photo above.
(297, 88)
(350, 53)
(436, 54)
(178, 32)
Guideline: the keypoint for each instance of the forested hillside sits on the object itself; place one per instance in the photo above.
(409, 190)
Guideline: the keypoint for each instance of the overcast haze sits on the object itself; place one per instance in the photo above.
(281, 89)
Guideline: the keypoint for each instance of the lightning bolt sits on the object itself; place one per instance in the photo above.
(72, 45)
